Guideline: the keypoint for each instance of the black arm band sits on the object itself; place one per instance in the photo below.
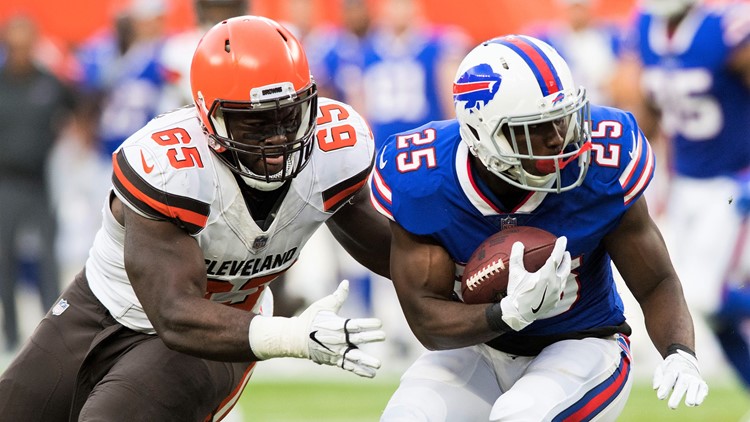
(494, 315)
(674, 347)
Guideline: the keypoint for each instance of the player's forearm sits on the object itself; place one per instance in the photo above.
(208, 330)
(667, 317)
(444, 324)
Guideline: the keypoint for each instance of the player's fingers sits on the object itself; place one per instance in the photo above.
(658, 376)
(363, 330)
(340, 295)
(365, 337)
(333, 301)
(666, 385)
(680, 388)
(362, 371)
(564, 268)
(360, 363)
(356, 325)
(561, 274)
(695, 394)
(516, 255)
(702, 393)
(559, 250)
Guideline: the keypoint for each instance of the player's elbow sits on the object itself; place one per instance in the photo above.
(430, 335)
(169, 326)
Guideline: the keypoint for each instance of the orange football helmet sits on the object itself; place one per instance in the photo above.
(252, 86)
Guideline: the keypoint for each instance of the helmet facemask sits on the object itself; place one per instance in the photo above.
(250, 135)
(515, 149)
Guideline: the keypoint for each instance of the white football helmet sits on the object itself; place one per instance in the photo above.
(516, 82)
(668, 8)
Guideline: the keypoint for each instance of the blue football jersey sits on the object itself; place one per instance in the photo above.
(336, 60)
(130, 84)
(423, 181)
(705, 106)
(401, 79)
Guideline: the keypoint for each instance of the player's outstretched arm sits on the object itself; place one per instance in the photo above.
(638, 250)
(167, 271)
(319, 334)
(363, 233)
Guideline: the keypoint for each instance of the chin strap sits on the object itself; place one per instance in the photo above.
(547, 165)
(261, 185)
(258, 184)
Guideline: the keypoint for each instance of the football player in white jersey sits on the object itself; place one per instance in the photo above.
(209, 204)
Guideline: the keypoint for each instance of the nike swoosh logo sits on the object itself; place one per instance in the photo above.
(381, 161)
(148, 169)
(313, 338)
(535, 310)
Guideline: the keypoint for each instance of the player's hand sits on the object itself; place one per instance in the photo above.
(533, 295)
(319, 334)
(333, 340)
(679, 374)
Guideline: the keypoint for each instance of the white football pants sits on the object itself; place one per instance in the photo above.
(569, 380)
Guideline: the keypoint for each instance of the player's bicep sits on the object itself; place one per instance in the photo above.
(163, 264)
(638, 251)
(420, 268)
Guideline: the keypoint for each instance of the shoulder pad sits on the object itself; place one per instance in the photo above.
(166, 171)
(622, 156)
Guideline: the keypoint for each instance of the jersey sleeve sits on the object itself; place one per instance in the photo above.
(413, 173)
(162, 179)
(345, 152)
(381, 194)
(623, 157)
(639, 170)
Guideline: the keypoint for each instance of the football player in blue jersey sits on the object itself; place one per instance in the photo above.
(695, 69)
(407, 64)
(528, 149)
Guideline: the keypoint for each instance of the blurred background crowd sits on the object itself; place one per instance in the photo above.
(78, 77)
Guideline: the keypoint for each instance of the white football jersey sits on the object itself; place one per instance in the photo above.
(167, 171)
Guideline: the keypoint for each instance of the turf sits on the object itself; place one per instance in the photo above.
(332, 401)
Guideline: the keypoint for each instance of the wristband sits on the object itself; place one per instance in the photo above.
(494, 315)
(674, 347)
(272, 337)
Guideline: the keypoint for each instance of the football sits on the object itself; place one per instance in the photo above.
(485, 277)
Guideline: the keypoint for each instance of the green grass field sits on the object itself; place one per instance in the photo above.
(336, 401)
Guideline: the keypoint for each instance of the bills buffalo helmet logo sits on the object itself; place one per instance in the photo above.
(560, 97)
(478, 85)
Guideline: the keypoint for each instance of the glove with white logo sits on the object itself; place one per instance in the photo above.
(532, 295)
(319, 334)
(679, 374)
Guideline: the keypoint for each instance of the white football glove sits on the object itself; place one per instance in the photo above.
(679, 373)
(532, 295)
(319, 334)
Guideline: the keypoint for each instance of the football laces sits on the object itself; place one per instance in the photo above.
(478, 277)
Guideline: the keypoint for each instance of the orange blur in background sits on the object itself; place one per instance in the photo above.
(68, 23)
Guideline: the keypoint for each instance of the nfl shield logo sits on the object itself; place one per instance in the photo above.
(60, 307)
(260, 242)
(508, 222)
